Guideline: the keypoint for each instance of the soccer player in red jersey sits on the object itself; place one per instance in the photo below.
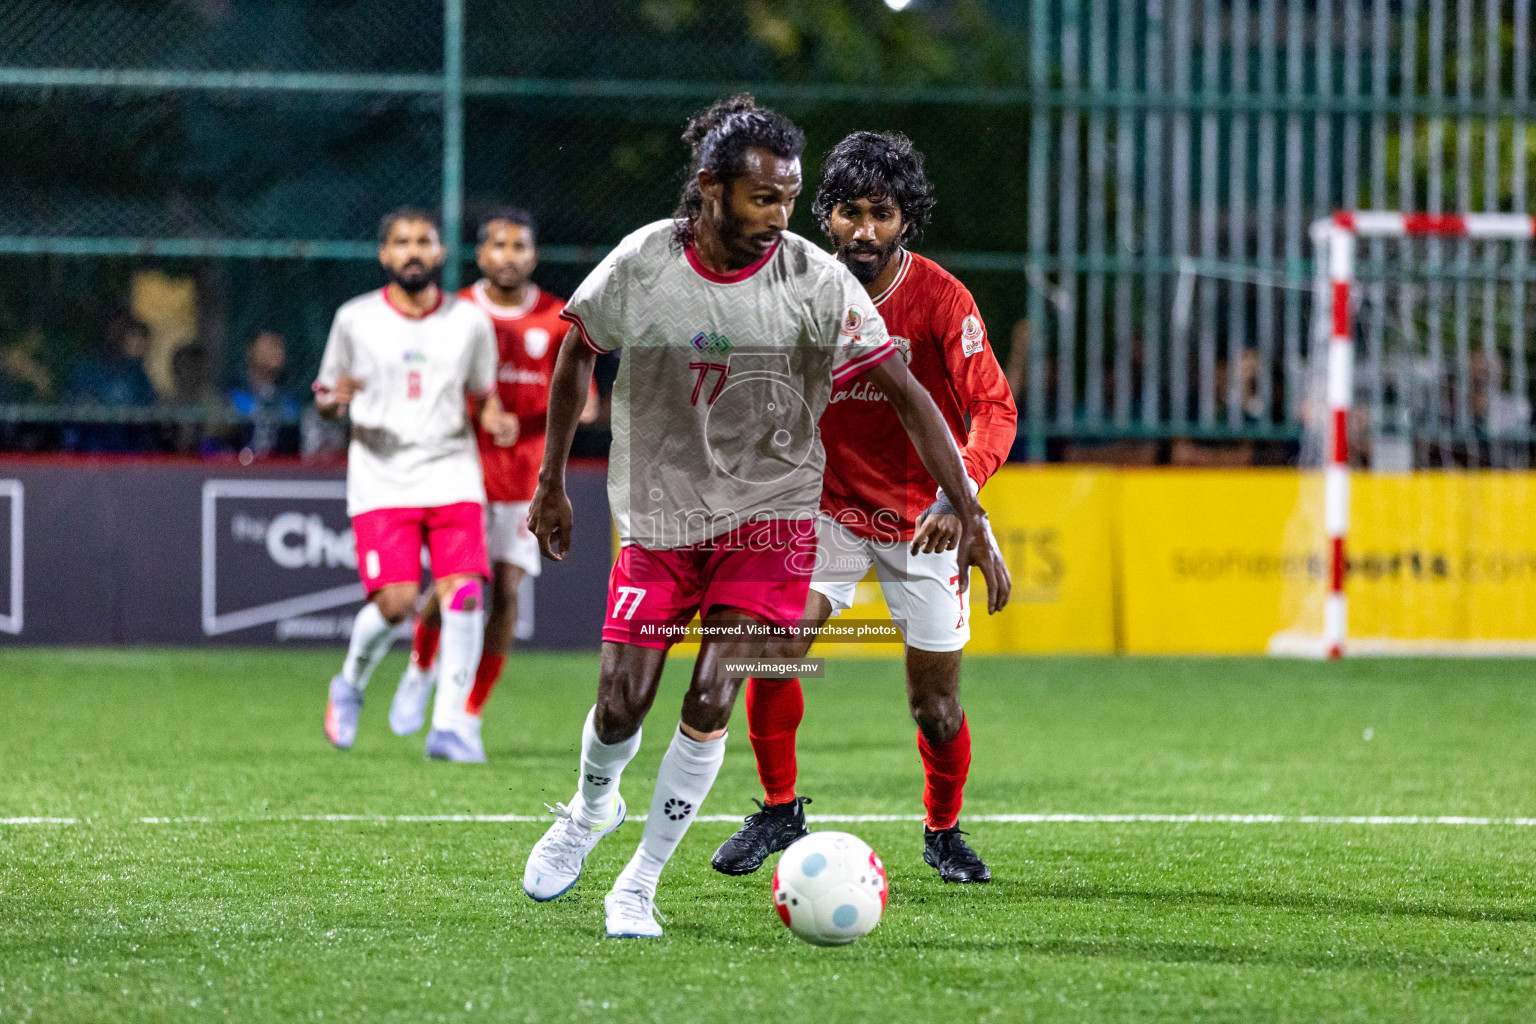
(881, 508)
(735, 332)
(528, 330)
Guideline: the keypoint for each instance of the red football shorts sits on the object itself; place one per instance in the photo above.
(389, 543)
(763, 569)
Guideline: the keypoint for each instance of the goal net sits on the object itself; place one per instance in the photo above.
(1414, 529)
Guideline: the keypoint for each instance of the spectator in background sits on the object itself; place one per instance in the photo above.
(273, 411)
(193, 374)
(23, 377)
(113, 377)
(25, 380)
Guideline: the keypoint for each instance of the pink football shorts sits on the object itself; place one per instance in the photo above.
(389, 543)
(762, 568)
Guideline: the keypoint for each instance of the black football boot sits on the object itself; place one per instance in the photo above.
(768, 830)
(952, 856)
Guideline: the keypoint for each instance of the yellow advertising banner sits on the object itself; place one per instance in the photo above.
(1443, 556)
(1196, 561)
(1202, 559)
(1220, 562)
(1054, 525)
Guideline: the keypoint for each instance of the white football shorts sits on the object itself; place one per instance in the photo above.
(507, 537)
(920, 590)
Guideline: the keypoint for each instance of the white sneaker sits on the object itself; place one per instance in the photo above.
(408, 711)
(554, 863)
(631, 915)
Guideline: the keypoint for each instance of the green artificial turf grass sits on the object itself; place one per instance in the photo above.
(246, 916)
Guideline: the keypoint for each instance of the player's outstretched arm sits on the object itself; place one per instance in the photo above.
(549, 516)
(941, 457)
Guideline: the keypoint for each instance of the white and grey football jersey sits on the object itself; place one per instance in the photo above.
(412, 445)
(722, 380)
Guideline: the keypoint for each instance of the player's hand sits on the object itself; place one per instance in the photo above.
(549, 519)
(938, 529)
(936, 533)
(503, 426)
(345, 390)
(979, 548)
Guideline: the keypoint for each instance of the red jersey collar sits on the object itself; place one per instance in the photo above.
(901, 275)
(735, 275)
(441, 298)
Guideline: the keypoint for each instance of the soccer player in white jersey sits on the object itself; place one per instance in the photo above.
(403, 359)
(734, 333)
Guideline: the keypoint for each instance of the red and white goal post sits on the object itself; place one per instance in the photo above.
(1460, 531)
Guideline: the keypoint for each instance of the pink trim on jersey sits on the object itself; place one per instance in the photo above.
(441, 298)
(581, 328)
(901, 275)
(734, 276)
(869, 360)
(495, 309)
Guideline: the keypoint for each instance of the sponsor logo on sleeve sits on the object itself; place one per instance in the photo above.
(853, 319)
(972, 335)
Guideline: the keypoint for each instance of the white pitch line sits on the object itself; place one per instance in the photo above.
(1005, 819)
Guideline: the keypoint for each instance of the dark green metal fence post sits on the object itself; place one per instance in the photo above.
(453, 137)
(1039, 229)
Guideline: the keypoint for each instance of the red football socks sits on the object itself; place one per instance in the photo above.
(424, 644)
(945, 768)
(774, 710)
(486, 675)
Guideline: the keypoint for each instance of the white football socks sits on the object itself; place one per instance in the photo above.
(601, 766)
(371, 636)
(687, 772)
(463, 636)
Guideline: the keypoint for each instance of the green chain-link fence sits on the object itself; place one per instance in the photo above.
(1130, 179)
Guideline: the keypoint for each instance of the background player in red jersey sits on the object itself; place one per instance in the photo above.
(878, 502)
(528, 332)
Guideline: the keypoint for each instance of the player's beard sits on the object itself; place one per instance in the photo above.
(867, 270)
(415, 276)
(742, 246)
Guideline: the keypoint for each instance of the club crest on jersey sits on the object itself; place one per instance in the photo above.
(852, 321)
(710, 342)
(414, 356)
(971, 335)
(536, 342)
(904, 346)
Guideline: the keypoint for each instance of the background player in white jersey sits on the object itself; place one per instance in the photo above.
(735, 332)
(403, 359)
(528, 325)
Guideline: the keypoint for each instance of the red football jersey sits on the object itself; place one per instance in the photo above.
(527, 341)
(875, 484)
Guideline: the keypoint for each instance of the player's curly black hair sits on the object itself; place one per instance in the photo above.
(719, 138)
(877, 165)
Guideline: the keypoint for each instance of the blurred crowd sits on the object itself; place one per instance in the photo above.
(108, 402)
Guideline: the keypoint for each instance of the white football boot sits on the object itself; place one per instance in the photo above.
(631, 914)
(554, 863)
(408, 711)
(462, 744)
